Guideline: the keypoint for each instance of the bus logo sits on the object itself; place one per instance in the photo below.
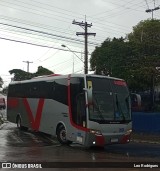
(6, 165)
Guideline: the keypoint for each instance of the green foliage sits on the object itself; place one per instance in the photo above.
(42, 71)
(135, 60)
(147, 32)
(22, 75)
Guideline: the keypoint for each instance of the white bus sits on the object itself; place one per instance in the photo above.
(91, 110)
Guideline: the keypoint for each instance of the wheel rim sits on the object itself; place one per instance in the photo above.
(63, 135)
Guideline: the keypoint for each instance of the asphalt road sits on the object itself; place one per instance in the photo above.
(20, 146)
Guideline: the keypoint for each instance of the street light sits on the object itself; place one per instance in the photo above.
(73, 56)
(72, 52)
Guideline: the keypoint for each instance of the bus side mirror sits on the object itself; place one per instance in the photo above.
(89, 93)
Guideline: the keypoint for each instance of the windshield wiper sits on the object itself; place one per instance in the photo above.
(99, 111)
(119, 108)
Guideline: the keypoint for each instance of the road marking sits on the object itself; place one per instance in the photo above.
(16, 138)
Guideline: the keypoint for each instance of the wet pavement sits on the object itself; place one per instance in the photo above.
(28, 146)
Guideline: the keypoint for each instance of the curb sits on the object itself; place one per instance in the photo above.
(145, 141)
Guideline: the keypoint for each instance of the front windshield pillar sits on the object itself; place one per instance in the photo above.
(78, 101)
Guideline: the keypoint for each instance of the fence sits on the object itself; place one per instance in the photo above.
(146, 122)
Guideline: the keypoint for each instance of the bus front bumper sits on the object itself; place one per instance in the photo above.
(102, 140)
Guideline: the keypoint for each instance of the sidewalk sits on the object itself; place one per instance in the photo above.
(3, 118)
(146, 138)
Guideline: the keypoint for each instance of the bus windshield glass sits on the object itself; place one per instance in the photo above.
(110, 100)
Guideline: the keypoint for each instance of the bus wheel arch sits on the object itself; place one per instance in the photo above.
(61, 134)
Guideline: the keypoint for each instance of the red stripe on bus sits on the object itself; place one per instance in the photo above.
(70, 107)
(35, 122)
(12, 102)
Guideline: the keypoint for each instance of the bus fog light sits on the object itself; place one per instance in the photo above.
(94, 142)
(128, 132)
(95, 132)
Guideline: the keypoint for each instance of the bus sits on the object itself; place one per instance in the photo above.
(91, 110)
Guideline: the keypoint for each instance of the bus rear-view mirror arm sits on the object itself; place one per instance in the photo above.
(90, 97)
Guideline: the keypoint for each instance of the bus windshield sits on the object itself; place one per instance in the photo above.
(111, 101)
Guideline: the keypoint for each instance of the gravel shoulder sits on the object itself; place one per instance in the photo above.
(146, 138)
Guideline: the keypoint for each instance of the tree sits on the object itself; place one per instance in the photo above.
(146, 37)
(42, 71)
(23, 75)
(146, 32)
(113, 58)
(136, 59)
(20, 74)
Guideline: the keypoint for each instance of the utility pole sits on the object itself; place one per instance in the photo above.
(151, 10)
(85, 26)
(28, 62)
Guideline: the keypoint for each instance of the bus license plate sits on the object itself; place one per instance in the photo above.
(79, 139)
(114, 140)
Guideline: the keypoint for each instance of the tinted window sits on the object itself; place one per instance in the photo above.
(100, 84)
(110, 100)
(56, 90)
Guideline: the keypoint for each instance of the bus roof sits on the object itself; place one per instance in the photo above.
(58, 76)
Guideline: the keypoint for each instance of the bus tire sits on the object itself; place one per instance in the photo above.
(18, 121)
(61, 135)
(19, 126)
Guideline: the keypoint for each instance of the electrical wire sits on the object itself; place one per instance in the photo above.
(147, 4)
(45, 46)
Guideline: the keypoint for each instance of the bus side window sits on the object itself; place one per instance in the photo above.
(58, 91)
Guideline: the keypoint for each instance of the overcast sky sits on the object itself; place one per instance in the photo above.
(49, 23)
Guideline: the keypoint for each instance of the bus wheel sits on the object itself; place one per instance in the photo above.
(61, 136)
(19, 126)
(19, 122)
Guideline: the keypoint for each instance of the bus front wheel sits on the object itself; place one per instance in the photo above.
(19, 125)
(61, 136)
(19, 122)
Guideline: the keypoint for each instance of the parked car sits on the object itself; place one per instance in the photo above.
(2, 103)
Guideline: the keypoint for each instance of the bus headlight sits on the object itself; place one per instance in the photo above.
(95, 132)
(128, 132)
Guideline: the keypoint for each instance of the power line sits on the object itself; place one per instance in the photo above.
(45, 46)
(115, 32)
(40, 26)
(46, 33)
(41, 7)
(50, 5)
